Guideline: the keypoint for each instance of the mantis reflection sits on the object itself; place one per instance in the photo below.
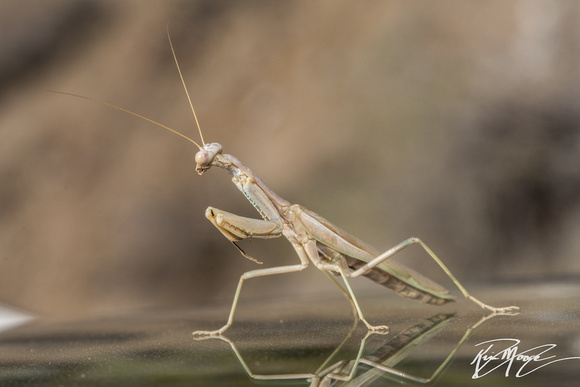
(382, 360)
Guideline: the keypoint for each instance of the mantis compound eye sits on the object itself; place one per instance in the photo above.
(202, 158)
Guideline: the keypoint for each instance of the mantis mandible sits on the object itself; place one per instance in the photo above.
(314, 238)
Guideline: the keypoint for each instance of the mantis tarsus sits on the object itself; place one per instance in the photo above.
(315, 239)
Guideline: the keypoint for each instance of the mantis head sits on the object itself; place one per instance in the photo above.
(205, 157)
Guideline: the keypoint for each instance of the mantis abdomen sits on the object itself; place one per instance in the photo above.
(400, 287)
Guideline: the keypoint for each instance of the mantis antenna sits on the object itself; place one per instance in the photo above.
(183, 83)
(143, 117)
(126, 111)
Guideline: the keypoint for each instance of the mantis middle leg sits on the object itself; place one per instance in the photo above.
(309, 250)
(245, 276)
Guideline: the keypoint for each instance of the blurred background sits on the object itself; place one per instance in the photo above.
(457, 122)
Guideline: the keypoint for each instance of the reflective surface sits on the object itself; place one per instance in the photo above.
(301, 336)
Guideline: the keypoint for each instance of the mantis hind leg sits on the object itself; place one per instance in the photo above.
(414, 240)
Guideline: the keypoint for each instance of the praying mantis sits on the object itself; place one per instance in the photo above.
(315, 240)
